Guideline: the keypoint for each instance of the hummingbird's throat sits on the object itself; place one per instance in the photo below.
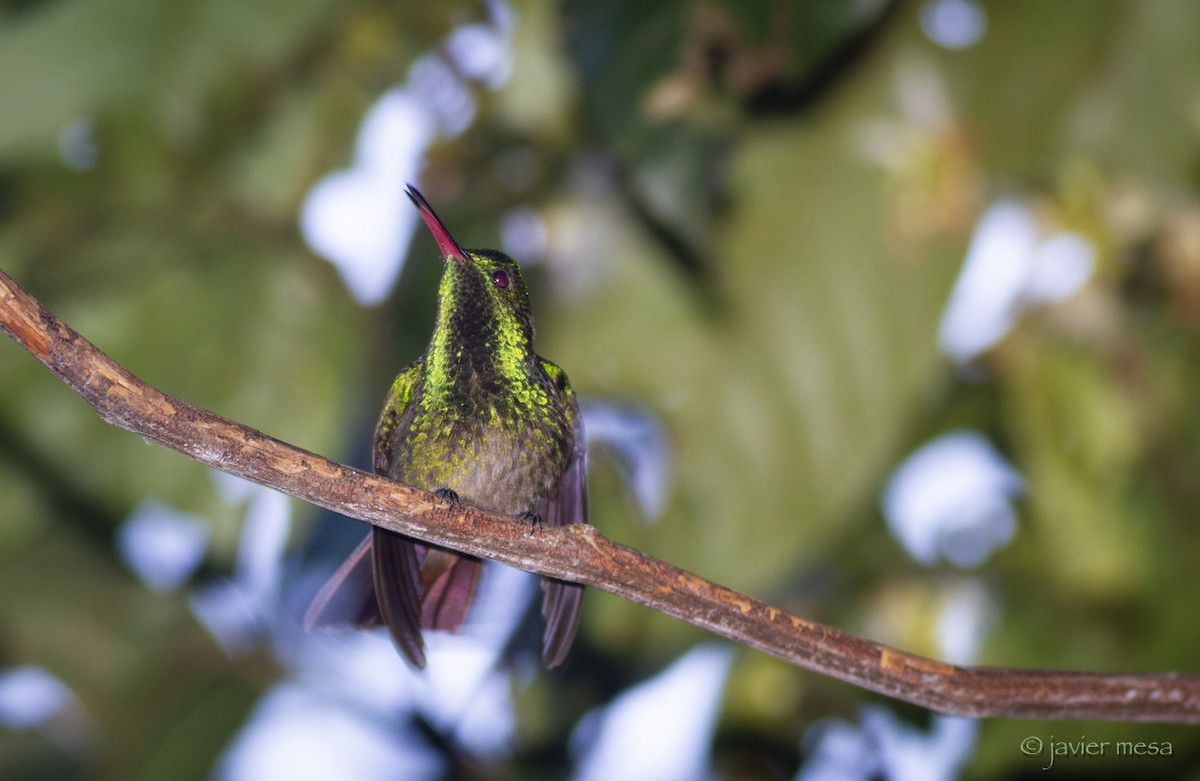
(478, 350)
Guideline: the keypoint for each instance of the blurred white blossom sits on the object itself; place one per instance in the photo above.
(239, 611)
(31, 697)
(953, 498)
(296, 734)
(660, 730)
(359, 218)
(163, 546)
(77, 144)
(966, 615)
(636, 437)
(882, 746)
(953, 24)
(1008, 269)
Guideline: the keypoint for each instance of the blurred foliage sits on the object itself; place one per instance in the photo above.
(754, 214)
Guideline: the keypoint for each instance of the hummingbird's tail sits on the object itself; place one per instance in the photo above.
(398, 590)
(393, 580)
(449, 581)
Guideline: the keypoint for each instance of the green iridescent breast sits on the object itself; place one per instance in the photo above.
(499, 445)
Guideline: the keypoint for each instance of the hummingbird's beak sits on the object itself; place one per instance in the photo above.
(446, 243)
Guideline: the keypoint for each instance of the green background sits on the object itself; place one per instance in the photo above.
(755, 212)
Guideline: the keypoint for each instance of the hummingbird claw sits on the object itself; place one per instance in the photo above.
(535, 520)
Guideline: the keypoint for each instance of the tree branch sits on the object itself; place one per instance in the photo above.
(581, 554)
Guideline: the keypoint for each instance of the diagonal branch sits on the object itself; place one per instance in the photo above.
(582, 554)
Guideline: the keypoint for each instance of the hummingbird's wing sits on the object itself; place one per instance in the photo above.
(380, 580)
(395, 559)
(562, 601)
(352, 593)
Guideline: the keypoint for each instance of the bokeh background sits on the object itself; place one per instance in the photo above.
(887, 313)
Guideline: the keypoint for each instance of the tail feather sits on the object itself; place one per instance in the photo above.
(398, 591)
(348, 595)
(450, 581)
(561, 609)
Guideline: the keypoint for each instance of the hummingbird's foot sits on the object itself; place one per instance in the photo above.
(450, 495)
(535, 520)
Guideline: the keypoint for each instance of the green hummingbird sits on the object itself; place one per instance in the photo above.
(478, 418)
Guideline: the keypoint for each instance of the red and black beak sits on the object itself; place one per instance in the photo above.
(446, 243)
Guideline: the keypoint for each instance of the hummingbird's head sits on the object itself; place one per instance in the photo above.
(481, 290)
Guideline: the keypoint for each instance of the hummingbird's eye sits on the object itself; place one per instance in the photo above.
(500, 279)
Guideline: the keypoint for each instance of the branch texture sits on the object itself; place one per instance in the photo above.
(582, 554)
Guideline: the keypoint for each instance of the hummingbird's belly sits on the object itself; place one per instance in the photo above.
(501, 471)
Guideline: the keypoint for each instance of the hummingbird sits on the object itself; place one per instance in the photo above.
(480, 419)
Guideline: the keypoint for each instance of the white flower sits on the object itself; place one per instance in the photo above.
(359, 218)
(953, 498)
(659, 730)
(1008, 269)
(31, 697)
(887, 748)
(161, 545)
